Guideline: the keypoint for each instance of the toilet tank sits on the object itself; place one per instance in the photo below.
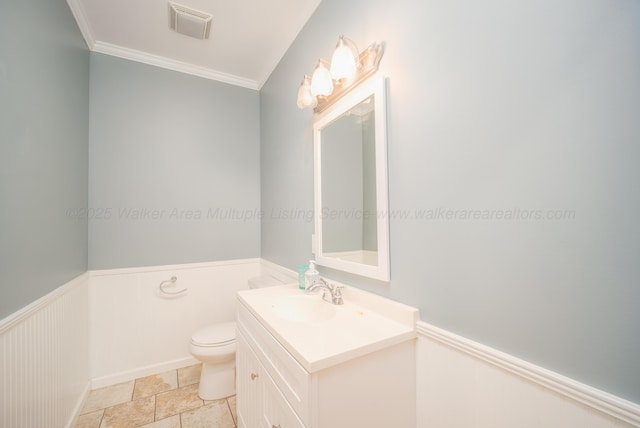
(264, 281)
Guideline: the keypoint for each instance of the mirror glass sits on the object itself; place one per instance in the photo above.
(351, 183)
(349, 186)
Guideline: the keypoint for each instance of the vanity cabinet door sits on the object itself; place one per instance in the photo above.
(291, 379)
(249, 375)
(276, 411)
(259, 401)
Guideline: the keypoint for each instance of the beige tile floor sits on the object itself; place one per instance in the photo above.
(165, 400)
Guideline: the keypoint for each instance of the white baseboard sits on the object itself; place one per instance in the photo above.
(586, 395)
(130, 375)
(79, 405)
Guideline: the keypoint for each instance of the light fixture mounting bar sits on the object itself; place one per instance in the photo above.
(368, 63)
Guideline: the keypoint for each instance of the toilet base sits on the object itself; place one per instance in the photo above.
(217, 381)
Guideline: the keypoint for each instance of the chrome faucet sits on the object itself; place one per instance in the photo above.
(332, 290)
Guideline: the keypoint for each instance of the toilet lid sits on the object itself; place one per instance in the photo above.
(215, 335)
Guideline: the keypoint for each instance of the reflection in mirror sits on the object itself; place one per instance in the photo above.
(349, 186)
(351, 183)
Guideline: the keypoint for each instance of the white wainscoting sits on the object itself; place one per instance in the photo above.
(462, 383)
(134, 331)
(44, 363)
(112, 326)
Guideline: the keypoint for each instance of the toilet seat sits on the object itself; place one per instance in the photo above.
(215, 335)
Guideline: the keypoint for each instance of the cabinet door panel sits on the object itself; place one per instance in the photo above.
(290, 377)
(277, 412)
(248, 379)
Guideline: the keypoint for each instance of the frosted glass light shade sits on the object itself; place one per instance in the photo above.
(330, 81)
(321, 83)
(343, 61)
(305, 97)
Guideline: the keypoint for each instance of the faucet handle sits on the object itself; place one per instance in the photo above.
(336, 294)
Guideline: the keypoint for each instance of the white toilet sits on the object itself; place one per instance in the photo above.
(215, 346)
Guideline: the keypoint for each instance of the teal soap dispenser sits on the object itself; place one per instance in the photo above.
(311, 275)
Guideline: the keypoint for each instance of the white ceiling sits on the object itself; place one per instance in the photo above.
(248, 37)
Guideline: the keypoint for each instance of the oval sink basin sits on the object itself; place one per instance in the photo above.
(303, 308)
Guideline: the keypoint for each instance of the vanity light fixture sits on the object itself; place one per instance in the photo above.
(305, 96)
(343, 61)
(321, 80)
(330, 81)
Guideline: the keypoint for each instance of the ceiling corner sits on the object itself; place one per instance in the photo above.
(78, 12)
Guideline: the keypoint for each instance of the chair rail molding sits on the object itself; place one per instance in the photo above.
(594, 398)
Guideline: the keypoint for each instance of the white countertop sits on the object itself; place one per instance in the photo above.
(364, 324)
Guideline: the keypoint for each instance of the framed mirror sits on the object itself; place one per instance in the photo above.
(350, 180)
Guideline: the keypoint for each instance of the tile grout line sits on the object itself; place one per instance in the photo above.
(230, 412)
(155, 407)
(178, 386)
(137, 381)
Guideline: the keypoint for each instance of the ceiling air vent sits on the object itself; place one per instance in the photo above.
(189, 22)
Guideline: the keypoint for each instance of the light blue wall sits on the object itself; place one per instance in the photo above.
(44, 102)
(174, 167)
(498, 106)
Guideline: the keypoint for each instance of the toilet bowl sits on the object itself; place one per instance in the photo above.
(215, 346)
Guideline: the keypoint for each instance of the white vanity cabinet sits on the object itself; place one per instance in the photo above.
(260, 403)
(275, 390)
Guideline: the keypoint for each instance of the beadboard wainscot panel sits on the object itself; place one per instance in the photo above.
(44, 362)
(134, 331)
(462, 383)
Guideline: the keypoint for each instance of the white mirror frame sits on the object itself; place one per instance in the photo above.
(376, 86)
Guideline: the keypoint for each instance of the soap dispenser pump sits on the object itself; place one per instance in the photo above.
(311, 275)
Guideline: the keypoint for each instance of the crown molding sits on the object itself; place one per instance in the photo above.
(83, 22)
(170, 64)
